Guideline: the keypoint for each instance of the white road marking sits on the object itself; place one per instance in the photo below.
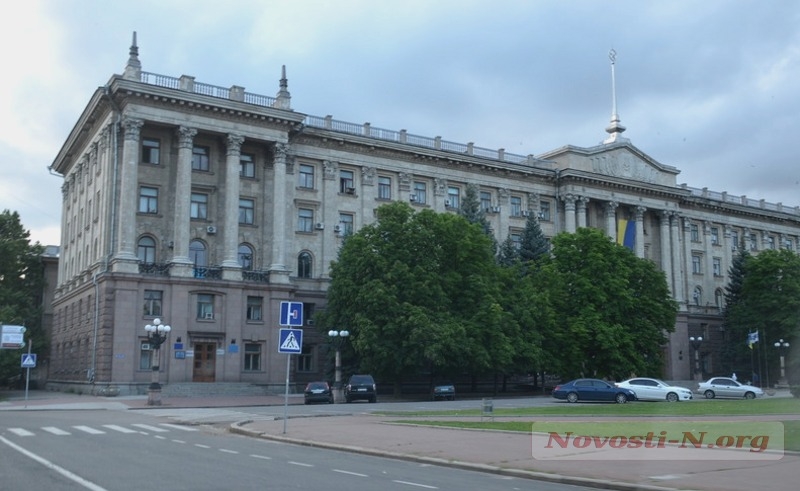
(349, 473)
(301, 464)
(200, 445)
(178, 441)
(154, 429)
(263, 457)
(20, 431)
(121, 429)
(225, 450)
(69, 475)
(55, 431)
(179, 427)
(89, 430)
(415, 484)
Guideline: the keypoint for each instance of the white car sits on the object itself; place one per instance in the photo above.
(653, 389)
(727, 387)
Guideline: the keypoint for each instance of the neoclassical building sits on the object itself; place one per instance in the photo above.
(208, 206)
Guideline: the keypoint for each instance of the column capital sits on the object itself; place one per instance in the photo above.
(185, 136)
(234, 144)
(133, 128)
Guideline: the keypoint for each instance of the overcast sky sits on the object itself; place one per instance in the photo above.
(709, 87)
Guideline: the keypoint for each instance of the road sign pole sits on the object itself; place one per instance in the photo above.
(28, 374)
(286, 394)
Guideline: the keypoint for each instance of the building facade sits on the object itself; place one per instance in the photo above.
(207, 207)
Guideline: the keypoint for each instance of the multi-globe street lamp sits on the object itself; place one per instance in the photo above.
(156, 335)
(337, 338)
(696, 341)
(782, 345)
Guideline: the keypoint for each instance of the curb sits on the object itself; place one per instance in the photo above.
(238, 428)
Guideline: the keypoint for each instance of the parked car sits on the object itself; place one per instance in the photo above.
(361, 387)
(727, 387)
(591, 389)
(318, 392)
(445, 392)
(653, 389)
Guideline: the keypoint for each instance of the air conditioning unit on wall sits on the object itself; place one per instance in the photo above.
(319, 226)
(211, 229)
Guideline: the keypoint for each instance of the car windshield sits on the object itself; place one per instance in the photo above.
(317, 385)
(361, 379)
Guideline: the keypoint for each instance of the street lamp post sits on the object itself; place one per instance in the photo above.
(782, 345)
(156, 335)
(696, 342)
(337, 338)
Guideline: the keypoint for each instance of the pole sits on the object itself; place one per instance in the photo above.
(28, 375)
(286, 394)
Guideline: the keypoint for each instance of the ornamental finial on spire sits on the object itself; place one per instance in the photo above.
(133, 70)
(615, 129)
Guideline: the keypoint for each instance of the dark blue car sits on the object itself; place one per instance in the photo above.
(592, 389)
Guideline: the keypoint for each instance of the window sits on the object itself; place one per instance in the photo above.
(717, 265)
(146, 250)
(304, 265)
(453, 195)
(516, 239)
(384, 187)
(694, 232)
(252, 357)
(197, 253)
(245, 257)
(345, 224)
(254, 308)
(305, 360)
(697, 262)
(205, 306)
(145, 356)
(306, 176)
(247, 165)
(346, 183)
(151, 151)
(516, 206)
(152, 303)
(199, 206)
(544, 211)
(486, 201)
(714, 236)
(697, 297)
(420, 192)
(753, 242)
(200, 158)
(718, 298)
(771, 242)
(789, 244)
(735, 241)
(246, 211)
(305, 220)
(148, 200)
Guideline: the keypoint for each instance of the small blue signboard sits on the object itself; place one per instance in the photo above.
(291, 314)
(29, 360)
(290, 341)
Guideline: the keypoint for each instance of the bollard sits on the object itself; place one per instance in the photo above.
(488, 409)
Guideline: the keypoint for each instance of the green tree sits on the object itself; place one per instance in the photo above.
(736, 356)
(533, 244)
(473, 212)
(508, 254)
(613, 308)
(21, 289)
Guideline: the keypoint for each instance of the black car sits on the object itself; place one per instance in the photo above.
(445, 392)
(590, 389)
(361, 387)
(318, 392)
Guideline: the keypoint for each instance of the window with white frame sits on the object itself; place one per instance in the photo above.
(716, 263)
(254, 308)
(735, 245)
(697, 262)
(420, 192)
(453, 197)
(148, 200)
(205, 306)
(515, 203)
(304, 265)
(384, 187)
(197, 253)
(252, 357)
(247, 208)
(200, 161)
(152, 303)
(247, 165)
(789, 244)
(146, 250)
(345, 223)
(486, 200)
(753, 242)
(771, 242)
(544, 211)
(694, 232)
(145, 355)
(305, 178)
(346, 182)
(714, 236)
(305, 220)
(151, 151)
(245, 257)
(198, 206)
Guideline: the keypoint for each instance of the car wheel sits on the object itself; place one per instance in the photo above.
(572, 397)
(374, 399)
(709, 394)
(749, 395)
(621, 398)
(672, 397)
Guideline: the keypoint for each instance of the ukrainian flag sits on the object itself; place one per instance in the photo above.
(626, 233)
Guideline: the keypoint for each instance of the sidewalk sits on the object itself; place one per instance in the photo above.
(498, 452)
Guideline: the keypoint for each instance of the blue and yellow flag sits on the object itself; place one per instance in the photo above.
(626, 233)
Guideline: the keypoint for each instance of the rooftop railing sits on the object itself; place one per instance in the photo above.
(741, 200)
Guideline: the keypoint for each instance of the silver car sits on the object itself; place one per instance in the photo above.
(727, 387)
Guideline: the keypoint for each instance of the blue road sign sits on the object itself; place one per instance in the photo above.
(290, 341)
(291, 314)
(29, 360)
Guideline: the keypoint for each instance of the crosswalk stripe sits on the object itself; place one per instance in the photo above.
(20, 431)
(154, 429)
(89, 429)
(55, 431)
(179, 427)
(121, 429)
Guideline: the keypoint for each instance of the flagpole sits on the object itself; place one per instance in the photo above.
(766, 364)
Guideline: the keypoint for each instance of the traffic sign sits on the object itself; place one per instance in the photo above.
(29, 360)
(13, 337)
(290, 341)
(291, 314)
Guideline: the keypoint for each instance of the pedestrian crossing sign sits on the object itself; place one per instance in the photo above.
(290, 341)
(29, 360)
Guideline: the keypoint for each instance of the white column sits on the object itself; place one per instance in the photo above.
(569, 213)
(230, 228)
(129, 181)
(581, 211)
(666, 250)
(611, 220)
(183, 196)
(639, 246)
(330, 212)
(278, 271)
(677, 273)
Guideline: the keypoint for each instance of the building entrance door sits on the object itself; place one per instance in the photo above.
(205, 362)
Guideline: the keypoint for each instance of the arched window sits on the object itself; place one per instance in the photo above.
(245, 257)
(719, 298)
(146, 250)
(197, 253)
(697, 295)
(304, 265)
